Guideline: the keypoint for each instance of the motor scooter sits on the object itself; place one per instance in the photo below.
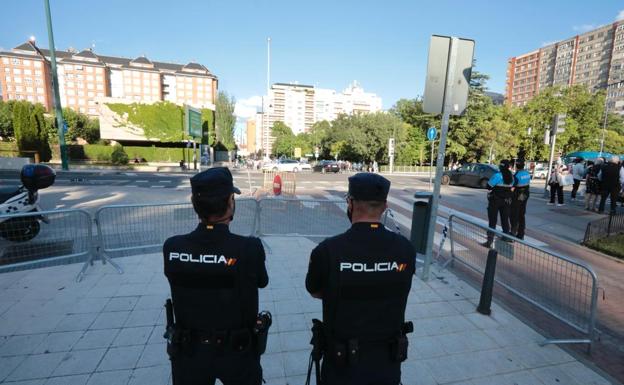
(24, 199)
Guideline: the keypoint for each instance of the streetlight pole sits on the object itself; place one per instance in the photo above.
(55, 89)
(604, 127)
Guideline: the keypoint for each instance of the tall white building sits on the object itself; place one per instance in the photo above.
(300, 106)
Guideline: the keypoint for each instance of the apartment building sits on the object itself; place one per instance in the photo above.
(85, 78)
(300, 106)
(594, 59)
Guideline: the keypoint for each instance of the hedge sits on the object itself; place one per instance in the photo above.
(8, 149)
(102, 153)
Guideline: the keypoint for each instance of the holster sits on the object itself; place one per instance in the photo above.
(399, 346)
(261, 331)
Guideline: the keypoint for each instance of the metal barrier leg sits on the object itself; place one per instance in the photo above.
(106, 258)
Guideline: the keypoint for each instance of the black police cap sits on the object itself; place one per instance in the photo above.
(366, 186)
(213, 182)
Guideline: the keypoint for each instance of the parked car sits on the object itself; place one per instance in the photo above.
(470, 174)
(287, 165)
(540, 171)
(326, 166)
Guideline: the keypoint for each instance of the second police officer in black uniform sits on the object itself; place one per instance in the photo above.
(500, 198)
(363, 277)
(214, 277)
(522, 185)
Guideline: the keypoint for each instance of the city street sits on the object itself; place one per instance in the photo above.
(558, 229)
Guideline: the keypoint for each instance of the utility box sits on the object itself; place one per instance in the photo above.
(421, 215)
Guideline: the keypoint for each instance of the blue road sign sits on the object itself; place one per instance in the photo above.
(432, 133)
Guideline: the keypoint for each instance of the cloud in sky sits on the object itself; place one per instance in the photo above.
(584, 27)
(247, 108)
(620, 15)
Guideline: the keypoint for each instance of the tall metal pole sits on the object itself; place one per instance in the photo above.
(553, 140)
(604, 127)
(446, 113)
(265, 110)
(58, 111)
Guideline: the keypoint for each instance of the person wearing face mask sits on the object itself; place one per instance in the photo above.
(363, 277)
(213, 329)
(500, 198)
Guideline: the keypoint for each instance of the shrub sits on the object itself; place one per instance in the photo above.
(119, 156)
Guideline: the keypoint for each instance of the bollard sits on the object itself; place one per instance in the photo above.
(485, 302)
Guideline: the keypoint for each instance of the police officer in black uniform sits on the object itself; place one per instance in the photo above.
(522, 185)
(363, 277)
(214, 277)
(500, 197)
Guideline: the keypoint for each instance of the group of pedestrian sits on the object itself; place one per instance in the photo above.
(603, 179)
(507, 197)
(363, 278)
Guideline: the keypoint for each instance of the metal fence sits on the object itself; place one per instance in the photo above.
(604, 227)
(396, 168)
(46, 238)
(562, 287)
(302, 217)
(289, 181)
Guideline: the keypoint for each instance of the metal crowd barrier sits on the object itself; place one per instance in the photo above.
(43, 239)
(126, 228)
(301, 217)
(604, 227)
(289, 181)
(562, 287)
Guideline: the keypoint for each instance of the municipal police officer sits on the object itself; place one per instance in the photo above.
(500, 198)
(214, 277)
(363, 277)
(522, 185)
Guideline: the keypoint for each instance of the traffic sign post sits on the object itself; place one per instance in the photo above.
(391, 154)
(431, 136)
(449, 69)
(193, 128)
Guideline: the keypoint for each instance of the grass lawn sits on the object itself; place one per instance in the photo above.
(613, 245)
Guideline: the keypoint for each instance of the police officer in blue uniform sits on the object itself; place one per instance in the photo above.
(500, 197)
(214, 277)
(363, 277)
(522, 185)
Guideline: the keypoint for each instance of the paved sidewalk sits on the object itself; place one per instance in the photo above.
(108, 329)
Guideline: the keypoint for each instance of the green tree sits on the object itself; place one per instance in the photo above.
(6, 119)
(30, 129)
(81, 126)
(284, 139)
(225, 120)
(119, 156)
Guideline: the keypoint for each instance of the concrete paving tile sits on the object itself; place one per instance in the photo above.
(516, 378)
(76, 322)
(296, 363)
(36, 366)
(19, 345)
(424, 347)
(58, 342)
(157, 375)
(121, 303)
(490, 362)
(39, 324)
(143, 317)
(89, 305)
(288, 307)
(482, 321)
(116, 377)
(416, 373)
(133, 336)
(150, 302)
(79, 362)
(154, 355)
(27, 382)
(124, 357)
(80, 379)
(291, 341)
(8, 364)
(157, 335)
(110, 320)
(131, 289)
(554, 375)
(534, 356)
(583, 374)
(272, 365)
(92, 339)
(291, 322)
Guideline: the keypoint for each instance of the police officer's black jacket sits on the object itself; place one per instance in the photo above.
(364, 276)
(214, 277)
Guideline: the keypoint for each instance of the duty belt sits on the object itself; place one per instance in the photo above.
(237, 339)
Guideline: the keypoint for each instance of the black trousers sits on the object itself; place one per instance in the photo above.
(495, 207)
(373, 368)
(205, 365)
(613, 193)
(556, 188)
(517, 218)
(575, 187)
